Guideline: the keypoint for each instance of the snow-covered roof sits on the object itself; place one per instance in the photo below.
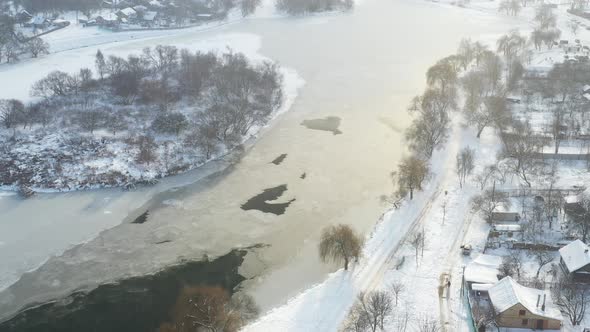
(508, 228)
(488, 260)
(149, 16)
(481, 274)
(59, 21)
(586, 87)
(109, 17)
(507, 293)
(128, 11)
(571, 199)
(575, 255)
(38, 20)
(586, 96)
(156, 3)
(481, 287)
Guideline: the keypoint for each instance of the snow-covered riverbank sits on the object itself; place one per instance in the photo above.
(367, 86)
(109, 160)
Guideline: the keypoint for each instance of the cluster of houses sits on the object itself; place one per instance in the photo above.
(156, 15)
(130, 15)
(513, 305)
(39, 22)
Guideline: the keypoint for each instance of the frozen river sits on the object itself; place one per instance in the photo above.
(360, 69)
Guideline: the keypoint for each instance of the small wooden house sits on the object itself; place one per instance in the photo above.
(575, 260)
(127, 13)
(108, 20)
(516, 306)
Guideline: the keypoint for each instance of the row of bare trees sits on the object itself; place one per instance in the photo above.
(300, 7)
(376, 310)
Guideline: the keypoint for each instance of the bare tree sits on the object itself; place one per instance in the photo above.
(92, 119)
(466, 52)
(340, 243)
(510, 7)
(465, 164)
(443, 75)
(557, 127)
(249, 6)
(411, 174)
(491, 64)
(545, 17)
(37, 46)
(116, 123)
(147, 149)
(474, 88)
(11, 112)
(205, 138)
(170, 123)
(376, 305)
(521, 151)
(397, 288)
(483, 316)
(492, 111)
(572, 299)
(12, 50)
(489, 173)
(56, 83)
(430, 129)
(488, 202)
(210, 308)
(511, 264)
(417, 241)
(101, 65)
(574, 27)
(357, 320)
(543, 258)
(580, 221)
(427, 324)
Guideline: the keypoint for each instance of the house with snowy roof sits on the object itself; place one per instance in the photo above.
(108, 20)
(482, 272)
(127, 13)
(575, 260)
(38, 22)
(517, 306)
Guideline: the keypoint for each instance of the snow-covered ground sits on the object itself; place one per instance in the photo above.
(324, 306)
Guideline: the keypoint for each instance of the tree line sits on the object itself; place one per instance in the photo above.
(205, 100)
(298, 7)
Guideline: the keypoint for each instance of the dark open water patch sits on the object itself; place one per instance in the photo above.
(142, 218)
(138, 304)
(260, 201)
(329, 123)
(278, 160)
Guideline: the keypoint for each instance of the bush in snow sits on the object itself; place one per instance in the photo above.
(170, 123)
